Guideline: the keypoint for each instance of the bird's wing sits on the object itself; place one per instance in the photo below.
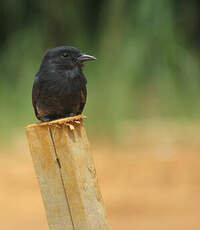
(83, 97)
(35, 94)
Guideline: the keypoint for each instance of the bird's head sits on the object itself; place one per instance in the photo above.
(67, 57)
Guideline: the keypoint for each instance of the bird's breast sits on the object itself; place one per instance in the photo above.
(67, 86)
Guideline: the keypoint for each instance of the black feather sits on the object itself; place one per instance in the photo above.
(59, 88)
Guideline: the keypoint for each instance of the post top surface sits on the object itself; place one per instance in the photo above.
(57, 122)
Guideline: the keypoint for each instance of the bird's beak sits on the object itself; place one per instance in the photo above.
(86, 57)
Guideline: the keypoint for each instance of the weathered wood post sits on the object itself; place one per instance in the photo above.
(67, 175)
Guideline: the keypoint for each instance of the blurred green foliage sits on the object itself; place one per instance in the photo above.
(147, 50)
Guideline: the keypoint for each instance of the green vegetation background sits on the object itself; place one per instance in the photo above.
(147, 50)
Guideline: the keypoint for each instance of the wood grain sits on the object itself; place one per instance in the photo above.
(66, 174)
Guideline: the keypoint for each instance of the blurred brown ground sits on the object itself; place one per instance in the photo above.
(150, 180)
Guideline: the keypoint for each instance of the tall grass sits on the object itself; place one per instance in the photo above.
(146, 67)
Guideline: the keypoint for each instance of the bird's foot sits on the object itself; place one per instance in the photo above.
(70, 115)
(45, 119)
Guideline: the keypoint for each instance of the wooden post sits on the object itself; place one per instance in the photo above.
(67, 175)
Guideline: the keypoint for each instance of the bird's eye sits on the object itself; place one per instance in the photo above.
(65, 55)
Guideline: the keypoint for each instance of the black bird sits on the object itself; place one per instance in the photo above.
(59, 88)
